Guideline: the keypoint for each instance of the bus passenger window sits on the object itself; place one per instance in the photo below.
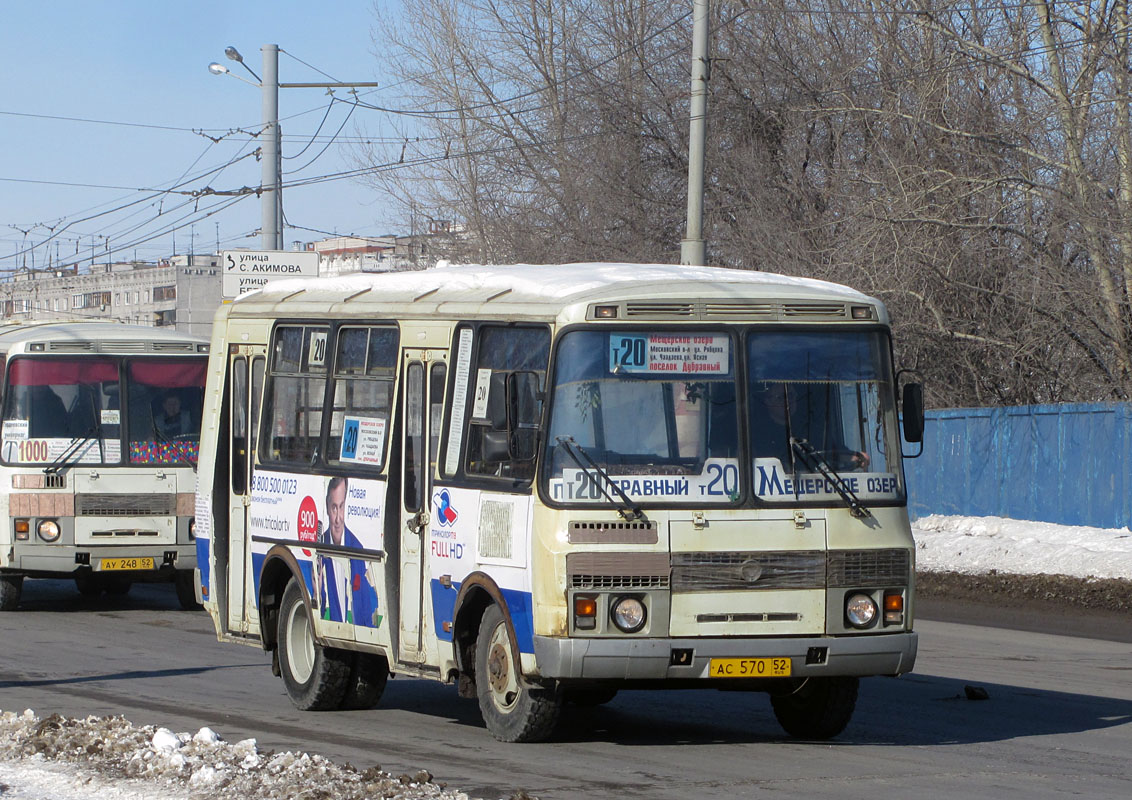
(295, 394)
(364, 369)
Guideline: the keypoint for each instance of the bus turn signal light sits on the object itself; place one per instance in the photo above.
(893, 608)
(585, 612)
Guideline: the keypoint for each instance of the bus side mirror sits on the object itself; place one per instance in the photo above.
(524, 412)
(912, 410)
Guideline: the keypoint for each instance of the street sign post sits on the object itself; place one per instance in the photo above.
(248, 270)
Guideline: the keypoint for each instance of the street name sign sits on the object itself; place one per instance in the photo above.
(248, 270)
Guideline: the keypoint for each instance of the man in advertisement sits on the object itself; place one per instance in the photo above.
(346, 593)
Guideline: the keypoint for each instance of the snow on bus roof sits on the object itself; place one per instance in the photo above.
(539, 281)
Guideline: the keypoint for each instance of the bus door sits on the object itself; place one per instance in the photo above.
(424, 376)
(245, 369)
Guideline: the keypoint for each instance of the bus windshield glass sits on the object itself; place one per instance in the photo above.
(166, 396)
(819, 410)
(653, 418)
(654, 413)
(62, 408)
(70, 410)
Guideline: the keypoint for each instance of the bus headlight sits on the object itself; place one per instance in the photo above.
(860, 610)
(628, 614)
(48, 530)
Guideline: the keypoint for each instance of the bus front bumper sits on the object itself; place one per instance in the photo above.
(41, 561)
(689, 659)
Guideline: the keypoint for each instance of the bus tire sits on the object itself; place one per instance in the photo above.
(589, 696)
(513, 709)
(87, 584)
(315, 676)
(184, 581)
(11, 587)
(819, 708)
(368, 675)
(118, 586)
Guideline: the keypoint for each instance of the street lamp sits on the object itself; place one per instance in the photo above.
(271, 187)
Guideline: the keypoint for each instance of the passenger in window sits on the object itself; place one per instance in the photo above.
(345, 591)
(172, 420)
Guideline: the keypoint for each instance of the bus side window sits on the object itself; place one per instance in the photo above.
(295, 394)
(364, 368)
(502, 350)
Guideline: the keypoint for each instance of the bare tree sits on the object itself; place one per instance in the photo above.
(970, 164)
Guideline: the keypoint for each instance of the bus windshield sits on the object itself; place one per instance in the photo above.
(53, 404)
(656, 414)
(819, 403)
(166, 396)
(70, 409)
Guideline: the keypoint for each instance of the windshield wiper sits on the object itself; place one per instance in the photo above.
(628, 512)
(815, 460)
(64, 459)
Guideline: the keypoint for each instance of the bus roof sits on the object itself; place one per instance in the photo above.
(529, 290)
(73, 336)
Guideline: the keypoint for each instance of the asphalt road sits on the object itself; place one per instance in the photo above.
(1057, 721)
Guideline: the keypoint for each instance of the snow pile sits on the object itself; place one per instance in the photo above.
(982, 545)
(182, 765)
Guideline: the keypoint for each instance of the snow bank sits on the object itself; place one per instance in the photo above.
(109, 758)
(978, 545)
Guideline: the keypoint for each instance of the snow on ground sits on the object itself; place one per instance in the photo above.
(978, 545)
(108, 758)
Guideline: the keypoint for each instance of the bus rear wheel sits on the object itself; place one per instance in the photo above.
(11, 587)
(818, 708)
(513, 709)
(316, 677)
(368, 675)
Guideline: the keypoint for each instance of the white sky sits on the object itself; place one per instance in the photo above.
(969, 545)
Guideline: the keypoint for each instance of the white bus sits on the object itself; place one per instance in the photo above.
(548, 483)
(100, 432)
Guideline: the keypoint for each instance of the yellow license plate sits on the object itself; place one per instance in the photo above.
(109, 564)
(749, 668)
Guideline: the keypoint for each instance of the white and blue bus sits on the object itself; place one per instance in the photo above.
(100, 430)
(547, 483)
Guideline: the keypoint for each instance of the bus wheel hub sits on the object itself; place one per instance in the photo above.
(497, 668)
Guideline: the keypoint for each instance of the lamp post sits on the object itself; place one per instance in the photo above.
(271, 160)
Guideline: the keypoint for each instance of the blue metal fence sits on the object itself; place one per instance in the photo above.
(1070, 464)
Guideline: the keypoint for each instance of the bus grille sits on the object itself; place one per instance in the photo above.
(869, 567)
(125, 505)
(617, 570)
(717, 572)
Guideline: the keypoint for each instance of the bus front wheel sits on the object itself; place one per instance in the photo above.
(316, 677)
(818, 708)
(184, 581)
(11, 587)
(513, 709)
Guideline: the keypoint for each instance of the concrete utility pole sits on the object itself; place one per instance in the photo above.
(271, 161)
(692, 246)
(271, 156)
